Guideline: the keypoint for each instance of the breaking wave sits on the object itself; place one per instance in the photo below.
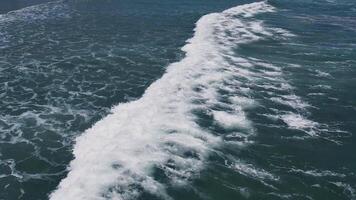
(163, 130)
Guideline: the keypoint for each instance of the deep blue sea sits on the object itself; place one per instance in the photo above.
(177, 100)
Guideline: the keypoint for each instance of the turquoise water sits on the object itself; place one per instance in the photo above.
(178, 100)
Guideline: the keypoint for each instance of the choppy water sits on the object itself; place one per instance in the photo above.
(178, 100)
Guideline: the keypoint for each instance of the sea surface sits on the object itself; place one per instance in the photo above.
(178, 100)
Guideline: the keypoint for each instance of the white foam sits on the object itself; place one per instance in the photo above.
(251, 171)
(319, 73)
(291, 100)
(283, 32)
(318, 173)
(243, 101)
(278, 87)
(232, 120)
(116, 158)
(347, 189)
(324, 87)
(299, 122)
(316, 94)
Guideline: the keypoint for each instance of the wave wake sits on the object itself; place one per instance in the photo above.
(117, 158)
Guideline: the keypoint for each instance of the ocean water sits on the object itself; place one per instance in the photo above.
(211, 100)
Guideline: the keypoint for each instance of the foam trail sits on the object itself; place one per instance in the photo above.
(116, 158)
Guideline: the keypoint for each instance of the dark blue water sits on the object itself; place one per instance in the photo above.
(100, 101)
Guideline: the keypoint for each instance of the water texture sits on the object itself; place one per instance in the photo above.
(178, 100)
